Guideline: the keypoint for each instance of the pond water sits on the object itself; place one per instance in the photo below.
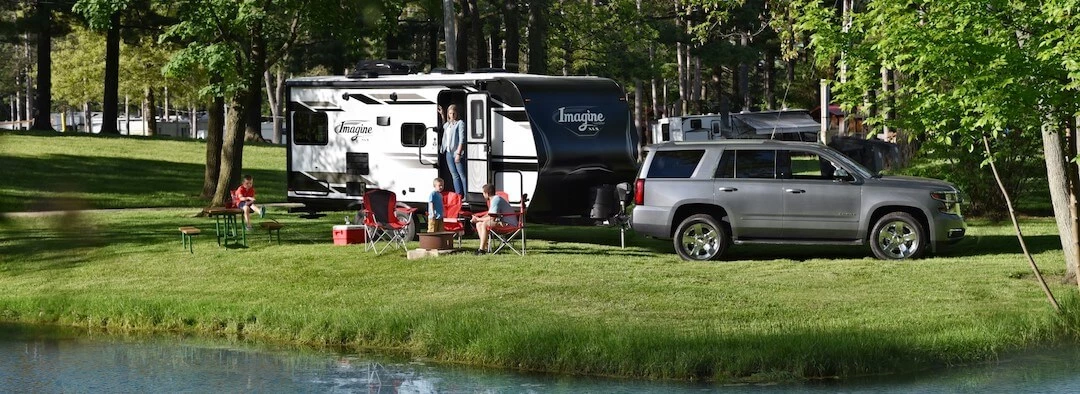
(43, 359)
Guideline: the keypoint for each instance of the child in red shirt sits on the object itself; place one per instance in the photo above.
(244, 199)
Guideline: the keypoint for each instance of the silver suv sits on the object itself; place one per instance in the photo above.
(708, 195)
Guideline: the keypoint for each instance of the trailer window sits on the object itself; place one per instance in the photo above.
(310, 128)
(413, 134)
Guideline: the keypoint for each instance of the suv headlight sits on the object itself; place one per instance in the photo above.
(949, 199)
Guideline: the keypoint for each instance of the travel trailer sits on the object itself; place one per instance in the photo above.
(788, 125)
(550, 138)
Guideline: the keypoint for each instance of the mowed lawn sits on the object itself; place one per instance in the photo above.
(55, 171)
(577, 303)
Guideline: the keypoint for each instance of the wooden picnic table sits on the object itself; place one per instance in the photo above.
(227, 227)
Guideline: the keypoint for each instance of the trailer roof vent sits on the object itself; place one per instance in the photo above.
(375, 68)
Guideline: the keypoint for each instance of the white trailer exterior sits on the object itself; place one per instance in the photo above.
(550, 138)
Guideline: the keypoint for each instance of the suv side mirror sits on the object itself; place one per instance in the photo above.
(841, 174)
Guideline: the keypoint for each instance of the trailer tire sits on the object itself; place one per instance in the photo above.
(410, 230)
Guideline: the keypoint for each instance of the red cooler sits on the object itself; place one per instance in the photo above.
(346, 234)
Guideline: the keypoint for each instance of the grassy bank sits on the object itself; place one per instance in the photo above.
(768, 313)
(50, 171)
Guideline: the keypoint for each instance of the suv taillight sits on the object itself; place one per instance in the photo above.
(639, 192)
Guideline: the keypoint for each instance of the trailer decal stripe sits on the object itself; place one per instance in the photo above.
(363, 98)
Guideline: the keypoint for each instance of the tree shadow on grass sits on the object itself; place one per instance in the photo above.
(111, 182)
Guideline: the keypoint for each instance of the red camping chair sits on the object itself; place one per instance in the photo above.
(507, 234)
(381, 222)
(453, 218)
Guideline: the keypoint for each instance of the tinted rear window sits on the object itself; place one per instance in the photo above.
(675, 163)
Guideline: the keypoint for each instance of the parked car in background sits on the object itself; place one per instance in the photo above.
(708, 195)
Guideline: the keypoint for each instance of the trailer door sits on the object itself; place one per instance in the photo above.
(478, 142)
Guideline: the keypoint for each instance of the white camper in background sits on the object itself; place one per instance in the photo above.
(788, 125)
(550, 138)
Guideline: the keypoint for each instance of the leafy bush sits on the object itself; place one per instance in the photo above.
(1018, 157)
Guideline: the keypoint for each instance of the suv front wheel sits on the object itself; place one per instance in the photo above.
(700, 237)
(898, 236)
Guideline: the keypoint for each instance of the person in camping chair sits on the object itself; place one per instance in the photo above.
(496, 205)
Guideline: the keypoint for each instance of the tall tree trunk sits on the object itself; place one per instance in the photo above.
(88, 122)
(215, 130)
(1060, 192)
(112, 77)
(253, 87)
(465, 18)
(538, 37)
(496, 43)
(513, 29)
(450, 34)
(43, 101)
(640, 122)
(568, 56)
(166, 109)
(232, 153)
(433, 43)
(680, 61)
(272, 101)
(770, 94)
(149, 113)
(696, 88)
(17, 108)
(476, 28)
(744, 74)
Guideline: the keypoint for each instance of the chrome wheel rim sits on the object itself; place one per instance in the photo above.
(898, 240)
(700, 241)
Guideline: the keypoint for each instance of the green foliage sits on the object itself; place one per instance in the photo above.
(99, 13)
(609, 39)
(1017, 157)
(77, 68)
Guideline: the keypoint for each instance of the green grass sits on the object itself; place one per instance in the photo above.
(767, 313)
(55, 171)
(576, 304)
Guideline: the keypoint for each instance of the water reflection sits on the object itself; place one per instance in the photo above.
(36, 359)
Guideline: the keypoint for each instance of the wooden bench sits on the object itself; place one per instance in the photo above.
(185, 237)
(271, 228)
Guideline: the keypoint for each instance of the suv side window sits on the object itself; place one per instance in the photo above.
(747, 164)
(674, 163)
(805, 165)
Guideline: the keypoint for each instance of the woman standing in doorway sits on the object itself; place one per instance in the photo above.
(453, 146)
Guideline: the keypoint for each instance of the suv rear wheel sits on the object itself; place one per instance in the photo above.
(898, 236)
(700, 237)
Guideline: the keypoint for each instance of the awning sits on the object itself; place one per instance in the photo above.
(778, 122)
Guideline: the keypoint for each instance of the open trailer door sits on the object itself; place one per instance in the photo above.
(478, 142)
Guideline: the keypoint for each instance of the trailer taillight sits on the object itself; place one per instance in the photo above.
(639, 192)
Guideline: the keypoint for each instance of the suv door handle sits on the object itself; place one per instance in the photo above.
(795, 191)
(728, 189)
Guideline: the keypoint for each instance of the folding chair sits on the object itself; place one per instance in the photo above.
(381, 223)
(506, 235)
(453, 218)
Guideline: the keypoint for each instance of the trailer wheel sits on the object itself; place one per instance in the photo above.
(410, 234)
